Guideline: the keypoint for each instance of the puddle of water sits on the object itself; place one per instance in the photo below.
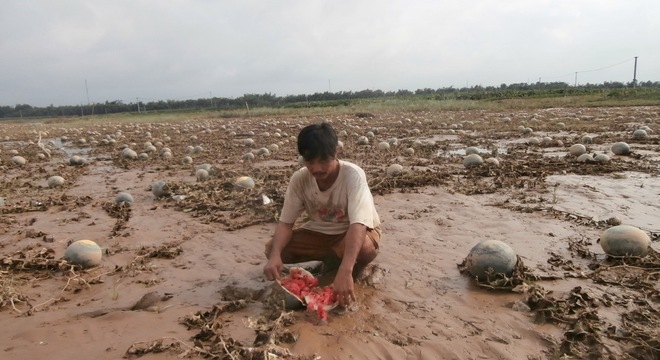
(501, 150)
(57, 142)
(70, 151)
(76, 151)
(555, 154)
(50, 143)
(440, 137)
(12, 143)
(628, 195)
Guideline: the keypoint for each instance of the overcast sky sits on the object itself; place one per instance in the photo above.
(183, 49)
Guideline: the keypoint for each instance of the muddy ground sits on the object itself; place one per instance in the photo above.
(200, 248)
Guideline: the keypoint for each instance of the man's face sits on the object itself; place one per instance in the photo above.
(321, 169)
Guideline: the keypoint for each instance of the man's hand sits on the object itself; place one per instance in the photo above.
(273, 268)
(343, 287)
(343, 284)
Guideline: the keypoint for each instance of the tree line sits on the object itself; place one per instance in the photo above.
(477, 92)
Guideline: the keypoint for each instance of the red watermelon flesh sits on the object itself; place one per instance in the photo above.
(305, 287)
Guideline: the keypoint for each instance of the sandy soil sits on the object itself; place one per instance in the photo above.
(206, 249)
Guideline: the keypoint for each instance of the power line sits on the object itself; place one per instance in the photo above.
(557, 77)
(585, 71)
(192, 97)
(607, 67)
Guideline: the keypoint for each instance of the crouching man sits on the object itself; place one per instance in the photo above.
(344, 226)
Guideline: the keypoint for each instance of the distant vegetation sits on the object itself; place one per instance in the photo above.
(608, 93)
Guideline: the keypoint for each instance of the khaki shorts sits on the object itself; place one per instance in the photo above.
(307, 245)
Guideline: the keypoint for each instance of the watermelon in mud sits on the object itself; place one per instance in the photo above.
(298, 283)
(303, 290)
(491, 254)
(85, 253)
(320, 300)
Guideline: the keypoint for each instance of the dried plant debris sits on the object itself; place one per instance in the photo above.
(10, 296)
(153, 347)
(122, 162)
(203, 319)
(165, 251)
(578, 311)
(529, 171)
(141, 263)
(210, 341)
(408, 180)
(561, 262)
(640, 329)
(221, 202)
(119, 211)
(32, 258)
(498, 281)
(541, 205)
(580, 247)
(33, 263)
(232, 292)
(587, 335)
(551, 310)
(639, 273)
(517, 170)
(65, 202)
(650, 262)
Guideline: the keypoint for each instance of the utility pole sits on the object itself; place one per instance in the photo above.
(137, 99)
(329, 87)
(211, 95)
(87, 91)
(635, 74)
(576, 78)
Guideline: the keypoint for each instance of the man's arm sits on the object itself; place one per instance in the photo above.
(343, 284)
(282, 236)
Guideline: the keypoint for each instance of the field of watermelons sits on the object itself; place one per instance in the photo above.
(176, 208)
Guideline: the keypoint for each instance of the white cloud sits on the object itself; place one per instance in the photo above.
(174, 49)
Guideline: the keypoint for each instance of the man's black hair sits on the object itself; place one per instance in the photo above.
(317, 141)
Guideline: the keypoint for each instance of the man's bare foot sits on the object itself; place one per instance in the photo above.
(315, 267)
(370, 274)
(330, 265)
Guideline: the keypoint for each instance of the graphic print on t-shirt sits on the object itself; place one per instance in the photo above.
(327, 206)
(332, 215)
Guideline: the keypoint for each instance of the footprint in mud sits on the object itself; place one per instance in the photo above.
(232, 293)
(151, 301)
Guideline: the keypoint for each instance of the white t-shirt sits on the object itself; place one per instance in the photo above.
(347, 201)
